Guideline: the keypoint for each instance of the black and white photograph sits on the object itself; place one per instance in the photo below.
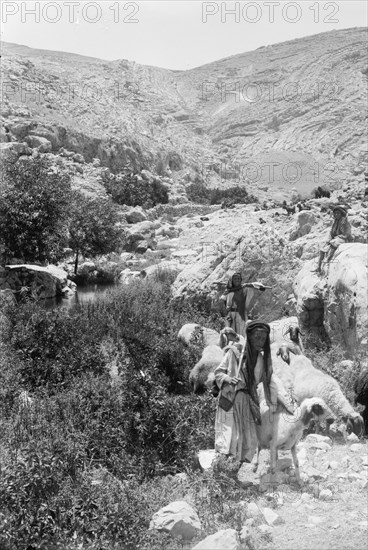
(184, 275)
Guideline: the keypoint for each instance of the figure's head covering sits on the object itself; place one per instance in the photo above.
(340, 208)
(251, 356)
(230, 284)
(251, 325)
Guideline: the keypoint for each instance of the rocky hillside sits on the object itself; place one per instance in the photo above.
(286, 116)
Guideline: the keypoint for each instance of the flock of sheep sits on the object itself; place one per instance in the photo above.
(316, 396)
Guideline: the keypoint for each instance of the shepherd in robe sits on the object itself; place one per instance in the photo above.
(239, 299)
(238, 409)
(340, 233)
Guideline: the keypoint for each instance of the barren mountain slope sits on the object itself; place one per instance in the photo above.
(282, 116)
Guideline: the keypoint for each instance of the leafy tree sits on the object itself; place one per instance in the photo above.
(93, 227)
(34, 198)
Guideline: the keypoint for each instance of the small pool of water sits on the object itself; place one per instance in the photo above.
(84, 294)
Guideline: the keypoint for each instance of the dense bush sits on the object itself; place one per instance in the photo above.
(110, 396)
(199, 193)
(131, 190)
(34, 201)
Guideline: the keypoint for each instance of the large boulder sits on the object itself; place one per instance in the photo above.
(39, 142)
(304, 222)
(226, 539)
(336, 306)
(178, 518)
(42, 282)
(136, 214)
(161, 268)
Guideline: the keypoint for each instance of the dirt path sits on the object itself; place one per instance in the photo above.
(331, 510)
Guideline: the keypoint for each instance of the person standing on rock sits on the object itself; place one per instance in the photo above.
(238, 409)
(340, 234)
(239, 298)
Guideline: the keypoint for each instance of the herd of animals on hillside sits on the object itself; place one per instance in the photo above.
(268, 391)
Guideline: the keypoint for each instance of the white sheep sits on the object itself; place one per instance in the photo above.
(302, 381)
(202, 374)
(192, 332)
(283, 431)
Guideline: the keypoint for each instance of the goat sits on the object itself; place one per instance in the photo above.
(283, 431)
(289, 209)
(295, 336)
(320, 192)
(361, 395)
(284, 351)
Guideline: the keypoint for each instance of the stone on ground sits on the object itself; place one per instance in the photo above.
(226, 539)
(178, 518)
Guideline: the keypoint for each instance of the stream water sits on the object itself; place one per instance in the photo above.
(84, 294)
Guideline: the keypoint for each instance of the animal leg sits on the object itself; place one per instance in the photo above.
(273, 453)
(255, 467)
(296, 464)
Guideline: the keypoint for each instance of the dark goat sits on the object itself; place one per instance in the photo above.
(361, 395)
(289, 209)
(320, 192)
(295, 333)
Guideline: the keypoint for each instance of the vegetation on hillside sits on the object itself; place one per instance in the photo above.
(40, 215)
(142, 424)
(132, 190)
(199, 193)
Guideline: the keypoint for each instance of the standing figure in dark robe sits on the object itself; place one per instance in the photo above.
(239, 299)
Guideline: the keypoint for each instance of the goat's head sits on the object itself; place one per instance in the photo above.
(294, 332)
(284, 353)
(354, 425)
(316, 409)
(227, 335)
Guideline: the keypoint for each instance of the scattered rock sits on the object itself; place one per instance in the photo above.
(136, 215)
(178, 518)
(326, 494)
(315, 520)
(271, 517)
(265, 529)
(317, 438)
(86, 267)
(357, 448)
(253, 510)
(206, 458)
(245, 533)
(314, 473)
(226, 539)
(37, 142)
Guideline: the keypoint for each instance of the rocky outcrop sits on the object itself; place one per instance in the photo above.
(335, 306)
(40, 282)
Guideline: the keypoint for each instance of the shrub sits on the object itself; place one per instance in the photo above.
(126, 188)
(199, 193)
